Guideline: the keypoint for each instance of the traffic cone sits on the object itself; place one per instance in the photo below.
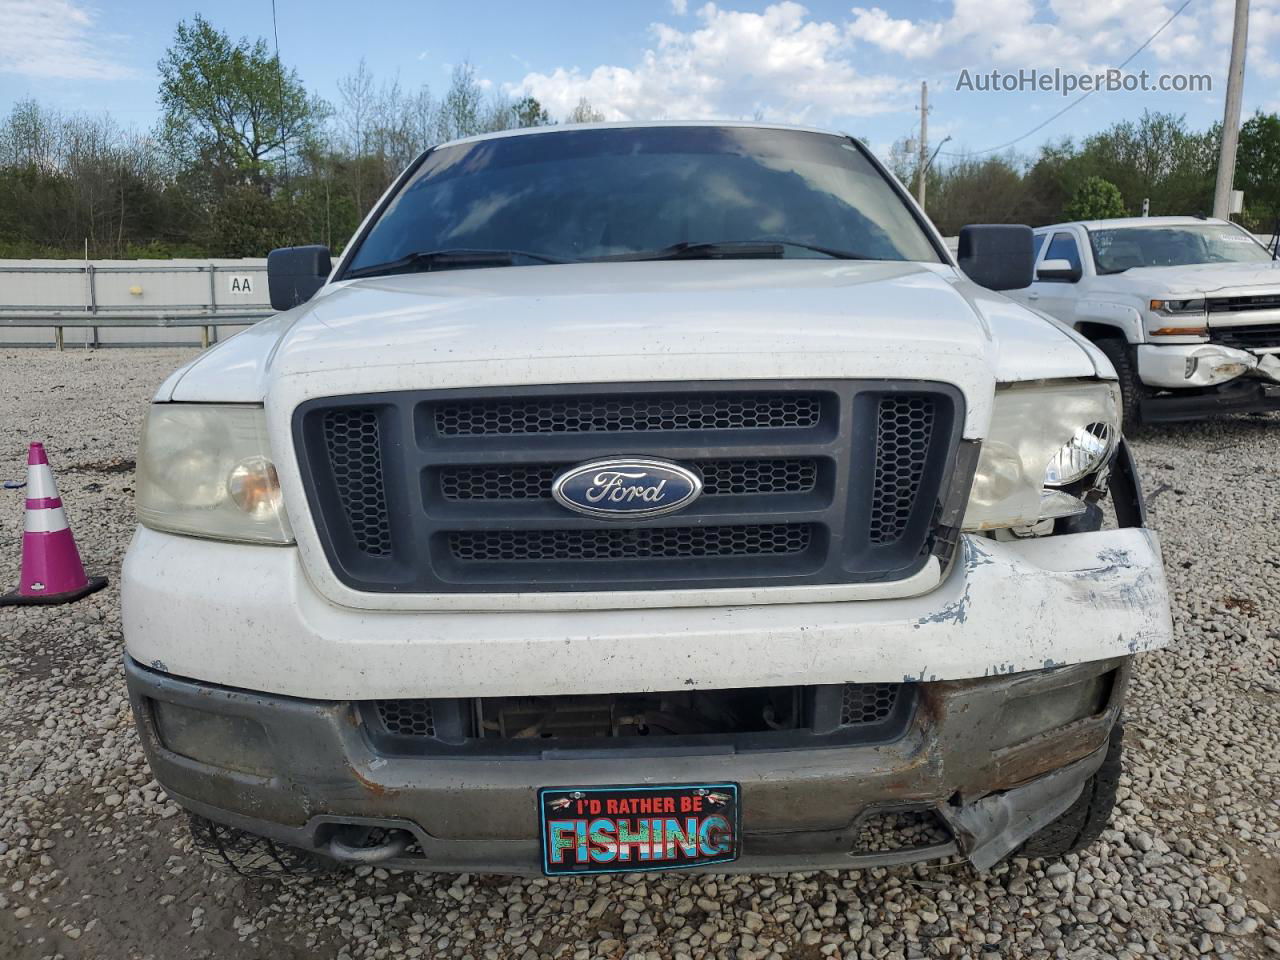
(51, 568)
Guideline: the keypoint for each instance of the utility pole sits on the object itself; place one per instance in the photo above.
(1231, 113)
(923, 165)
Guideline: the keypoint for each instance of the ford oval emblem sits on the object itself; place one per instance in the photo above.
(626, 488)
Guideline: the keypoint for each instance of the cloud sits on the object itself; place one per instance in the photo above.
(56, 39)
(1079, 35)
(779, 64)
(680, 7)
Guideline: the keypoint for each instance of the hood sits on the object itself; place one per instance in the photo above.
(623, 322)
(1211, 279)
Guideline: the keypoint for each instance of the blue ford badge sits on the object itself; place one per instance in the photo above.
(626, 489)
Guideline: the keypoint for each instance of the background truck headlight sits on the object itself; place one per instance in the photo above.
(205, 470)
(1042, 436)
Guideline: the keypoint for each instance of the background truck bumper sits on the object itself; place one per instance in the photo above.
(1179, 366)
(246, 616)
(301, 770)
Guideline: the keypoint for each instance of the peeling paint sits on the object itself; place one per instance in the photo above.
(954, 612)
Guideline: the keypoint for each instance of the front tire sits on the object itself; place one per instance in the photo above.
(230, 850)
(1131, 388)
(1085, 819)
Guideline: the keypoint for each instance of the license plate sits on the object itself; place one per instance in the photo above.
(624, 829)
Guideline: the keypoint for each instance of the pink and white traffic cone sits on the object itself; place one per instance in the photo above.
(51, 568)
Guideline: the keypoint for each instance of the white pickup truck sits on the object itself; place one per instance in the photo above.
(640, 497)
(1187, 309)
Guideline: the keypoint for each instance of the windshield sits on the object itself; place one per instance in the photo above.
(1124, 248)
(617, 192)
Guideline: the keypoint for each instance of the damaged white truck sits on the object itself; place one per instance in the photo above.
(641, 497)
(1187, 309)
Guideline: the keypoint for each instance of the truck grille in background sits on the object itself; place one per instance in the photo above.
(1264, 301)
(1259, 335)
(664, 412)
(440, 492)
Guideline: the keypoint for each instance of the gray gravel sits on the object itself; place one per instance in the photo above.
(94, 861)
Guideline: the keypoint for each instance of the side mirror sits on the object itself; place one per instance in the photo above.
(998, 256)
(1058, 271)
(294, 274)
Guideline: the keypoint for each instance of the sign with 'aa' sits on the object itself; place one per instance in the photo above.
(240, 285)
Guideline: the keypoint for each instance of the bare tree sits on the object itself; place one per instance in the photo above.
(584, 112)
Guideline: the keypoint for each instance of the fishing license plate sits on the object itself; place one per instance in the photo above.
(623, 829)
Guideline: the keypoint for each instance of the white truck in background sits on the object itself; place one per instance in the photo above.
(1186, 308)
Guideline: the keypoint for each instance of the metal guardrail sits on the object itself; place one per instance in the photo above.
(59, 321)
(93, 314)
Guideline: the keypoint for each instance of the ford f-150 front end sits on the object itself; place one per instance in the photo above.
(639, 497)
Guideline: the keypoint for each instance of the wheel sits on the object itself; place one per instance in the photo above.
(1085, 819)
(1131, 389)
(231, 850)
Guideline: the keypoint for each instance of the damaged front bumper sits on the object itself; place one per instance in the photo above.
(991, 761)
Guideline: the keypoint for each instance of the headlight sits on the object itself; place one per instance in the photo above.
(1041, 436)
(1178, 308)
(205, 470)
(1087, 450)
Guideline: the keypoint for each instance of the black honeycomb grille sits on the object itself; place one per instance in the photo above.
(719, 478)
(407, 718)
(658, 412)
(744, 540)
(903, 434)
(353, 440)
(864, 703)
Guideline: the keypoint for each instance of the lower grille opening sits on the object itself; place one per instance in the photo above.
(840, 712)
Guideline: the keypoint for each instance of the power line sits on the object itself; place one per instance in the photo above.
(1080, 99)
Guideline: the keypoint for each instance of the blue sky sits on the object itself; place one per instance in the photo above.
(849, 66)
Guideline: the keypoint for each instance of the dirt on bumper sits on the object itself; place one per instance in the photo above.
(297, 770)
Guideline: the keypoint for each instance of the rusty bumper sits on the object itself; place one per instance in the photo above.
(990, 759)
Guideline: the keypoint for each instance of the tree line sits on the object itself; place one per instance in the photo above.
(1156, 158)
(245, 158)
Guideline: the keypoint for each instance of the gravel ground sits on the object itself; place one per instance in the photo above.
(94, 860)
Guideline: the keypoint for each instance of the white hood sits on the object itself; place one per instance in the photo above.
(1198, 279)
(620, 322)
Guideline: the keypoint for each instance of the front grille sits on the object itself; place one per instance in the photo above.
(751, 717)
(612, 414)
(1243, 304)
(1243, 338)
(904, 430)
(407, 718)
(719, 478)
(353, 441)
(449, 491)
(644, 543)
(867, 702)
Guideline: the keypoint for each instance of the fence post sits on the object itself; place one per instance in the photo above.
(57, 337)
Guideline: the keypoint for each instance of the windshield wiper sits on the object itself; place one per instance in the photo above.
(728, 250)
(427, 260)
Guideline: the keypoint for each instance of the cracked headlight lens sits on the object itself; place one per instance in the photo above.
(1087, 450)
(205, 470)
(1041, 435)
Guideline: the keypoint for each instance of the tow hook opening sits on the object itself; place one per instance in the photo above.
(355, 843)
